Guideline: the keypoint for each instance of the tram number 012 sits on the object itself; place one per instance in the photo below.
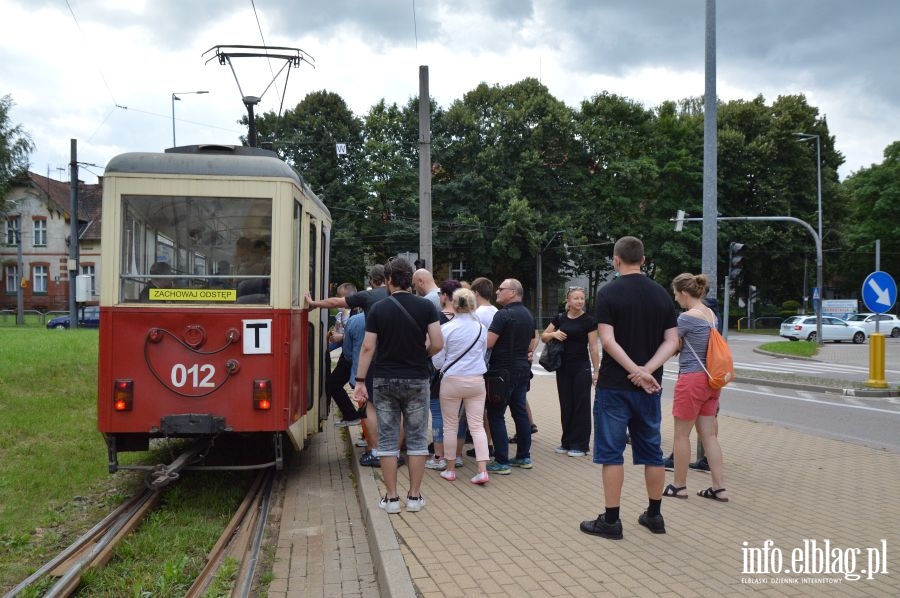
(197, 376)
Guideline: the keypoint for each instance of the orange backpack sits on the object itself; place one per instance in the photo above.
(719, 366)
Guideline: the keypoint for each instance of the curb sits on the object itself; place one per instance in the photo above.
(847, 392)
(390, 566)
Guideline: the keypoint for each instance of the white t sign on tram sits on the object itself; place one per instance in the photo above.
(257, 337)
(879, 292)
(341, 149)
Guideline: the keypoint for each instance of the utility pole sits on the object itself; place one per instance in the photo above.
(710, 163)
(73, 233)
(425, 232)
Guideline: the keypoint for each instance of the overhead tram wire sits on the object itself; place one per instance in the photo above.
(271, 70)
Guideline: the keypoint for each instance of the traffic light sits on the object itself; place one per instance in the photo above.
(737, 269)
(736, 261)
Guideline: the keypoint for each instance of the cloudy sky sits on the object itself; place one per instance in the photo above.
(104, 71)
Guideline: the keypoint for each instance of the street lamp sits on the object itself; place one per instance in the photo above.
(175, 97)
(801, 137)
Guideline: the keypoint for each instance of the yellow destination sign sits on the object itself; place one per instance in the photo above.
(193, 295)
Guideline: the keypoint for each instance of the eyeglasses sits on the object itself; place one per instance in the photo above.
(503, 289)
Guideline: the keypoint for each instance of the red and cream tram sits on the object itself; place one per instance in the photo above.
(207, 254)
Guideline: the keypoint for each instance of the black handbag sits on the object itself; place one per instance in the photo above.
(552, 355)
(497, 387)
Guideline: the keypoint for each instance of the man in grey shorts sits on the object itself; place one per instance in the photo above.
(407, 332)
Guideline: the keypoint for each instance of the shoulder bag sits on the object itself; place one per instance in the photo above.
(438, 375)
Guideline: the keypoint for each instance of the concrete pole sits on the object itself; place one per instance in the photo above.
(710, 165)
(425, 233)
(710, 171)
(73, 233)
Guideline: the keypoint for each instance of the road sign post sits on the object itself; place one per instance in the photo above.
(879, 292)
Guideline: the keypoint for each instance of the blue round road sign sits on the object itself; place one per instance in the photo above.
(879, 291)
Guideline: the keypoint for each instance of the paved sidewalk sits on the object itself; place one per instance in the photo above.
(323, 545)
(519, 535)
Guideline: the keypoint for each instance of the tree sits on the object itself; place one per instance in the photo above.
(504, 175)
(874, 213)
(306, 138)
(15, 147)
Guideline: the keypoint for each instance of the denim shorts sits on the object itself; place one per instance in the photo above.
(401, 401)
(618, 412)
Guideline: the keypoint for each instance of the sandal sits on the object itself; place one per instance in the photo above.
(673, 491)
(712, 494)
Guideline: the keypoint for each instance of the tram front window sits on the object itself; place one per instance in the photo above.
(195, 250)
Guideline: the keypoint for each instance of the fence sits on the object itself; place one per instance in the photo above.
(32, 318)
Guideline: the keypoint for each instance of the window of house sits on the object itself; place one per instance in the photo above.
(12, 227)
(39, 278)
(40, 232)
(90, 271)
(12, 278)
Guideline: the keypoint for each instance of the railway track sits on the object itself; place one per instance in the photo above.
(241, 540)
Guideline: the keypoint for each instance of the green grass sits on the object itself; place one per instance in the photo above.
(54, 482)
(792, 348)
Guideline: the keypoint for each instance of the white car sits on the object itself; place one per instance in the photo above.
(888, 324)
(798, 328)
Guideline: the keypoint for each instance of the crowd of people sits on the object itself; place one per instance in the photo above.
(423, 356)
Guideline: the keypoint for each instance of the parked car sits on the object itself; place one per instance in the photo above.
(888, 324)
(89, 318)
(796, 328)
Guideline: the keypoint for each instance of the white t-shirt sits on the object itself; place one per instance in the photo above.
(486, 313)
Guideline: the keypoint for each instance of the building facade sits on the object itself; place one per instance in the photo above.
(36, 213)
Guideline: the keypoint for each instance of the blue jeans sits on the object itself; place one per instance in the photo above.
(401, 401)
(497, 421)
(617, 412)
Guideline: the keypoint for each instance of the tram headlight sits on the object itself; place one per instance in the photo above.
(123, 395)
(262, 395)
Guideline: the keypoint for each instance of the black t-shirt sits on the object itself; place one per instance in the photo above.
(514, 326)
(640, 311)
(575, 347)
(366, 299)
(401, 346)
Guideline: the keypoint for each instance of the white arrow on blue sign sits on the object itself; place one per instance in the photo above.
(879, 292)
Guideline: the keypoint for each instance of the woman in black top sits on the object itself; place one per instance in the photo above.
(577, 330)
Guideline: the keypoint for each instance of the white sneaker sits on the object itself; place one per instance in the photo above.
(459, 461)
(576, 453)
(560, 450)
(449, 475)
(391, 505)
(480, 478)
(439, 463)
(361, 443)
(414, 505)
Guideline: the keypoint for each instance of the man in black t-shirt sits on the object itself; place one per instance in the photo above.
(638, 331)
(511, 338)
(407, 332)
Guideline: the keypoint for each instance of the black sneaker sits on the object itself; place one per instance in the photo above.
(533, 429)
(669, 463)
(655, 523)
(369, 460)
(599, 527)
(700, 465)
(514, 439)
